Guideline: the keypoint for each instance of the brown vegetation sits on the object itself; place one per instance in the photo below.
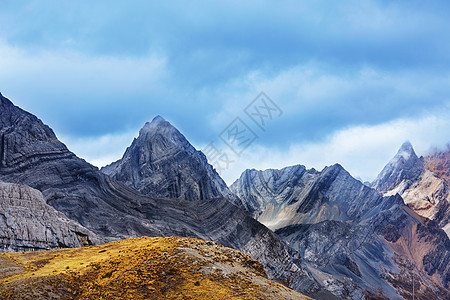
(142, 268)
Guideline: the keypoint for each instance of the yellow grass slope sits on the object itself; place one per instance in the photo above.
(142, 268)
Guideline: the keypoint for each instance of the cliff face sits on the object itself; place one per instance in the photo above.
(355, 241)
(28, 223)
(162, 163)
(422, 183)
(32, 155)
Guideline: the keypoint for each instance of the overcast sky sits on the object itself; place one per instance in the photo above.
(354, 79)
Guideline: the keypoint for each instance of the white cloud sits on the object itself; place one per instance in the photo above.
(312, 89)
(100, 151)
(64, 73)
(362, 150)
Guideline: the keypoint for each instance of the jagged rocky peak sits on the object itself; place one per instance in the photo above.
(161, 129)
(404, 167)
(157, 121)
(162, 163)
(296, 195)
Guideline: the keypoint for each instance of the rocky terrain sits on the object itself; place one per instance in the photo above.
(422, 182)
(28, 223)
(32, 155)
(162, 163)
(143, 268)
(354, 241)
(333, 235)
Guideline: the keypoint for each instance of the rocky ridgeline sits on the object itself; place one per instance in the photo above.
(356, 242)
(28, 223)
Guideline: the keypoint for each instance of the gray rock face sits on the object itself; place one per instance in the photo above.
(32, 155)
(404, 167)
(28, 223)
(272, 188)
(162, 163)
(424, 187)
(352, 239)
(306, 196)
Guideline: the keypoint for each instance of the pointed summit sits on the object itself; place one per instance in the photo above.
(158, 118)
(406, 151)
(407, 146)
(160, 138)
(155, 122)
(162, 163)
(403, 168)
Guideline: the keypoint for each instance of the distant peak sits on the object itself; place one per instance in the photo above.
(159, 126)
(158, 119)
(406, 151)
(404, 166)
(407, 146)
(155, 123)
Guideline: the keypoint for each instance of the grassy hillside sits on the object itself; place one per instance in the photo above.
(142, 268)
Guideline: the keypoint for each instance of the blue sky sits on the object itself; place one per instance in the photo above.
(353, 78)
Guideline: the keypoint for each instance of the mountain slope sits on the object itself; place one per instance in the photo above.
(144, 268)
(28, 223)
(356, 242)
(162, 163)
(32, 155)
(268, 192)
(424, 187)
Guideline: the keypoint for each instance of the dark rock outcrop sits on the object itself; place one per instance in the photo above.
(356, 242)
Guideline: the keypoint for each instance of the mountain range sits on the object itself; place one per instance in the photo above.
(355, 241)
(322, 233)
(32, 155)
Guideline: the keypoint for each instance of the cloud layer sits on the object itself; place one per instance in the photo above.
(96, 72)
(362, 150)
